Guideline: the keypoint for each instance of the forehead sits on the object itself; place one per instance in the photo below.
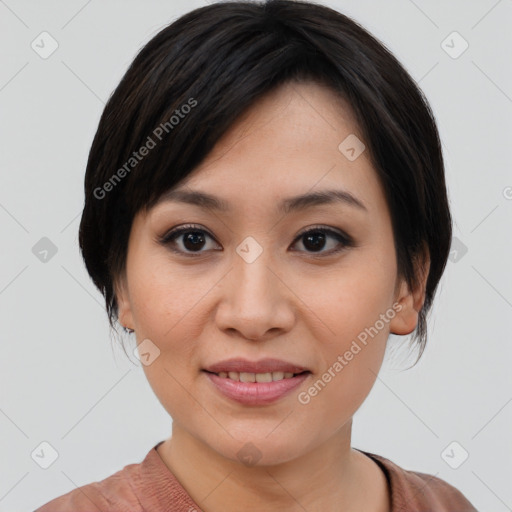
(293, 113)
(287, 144)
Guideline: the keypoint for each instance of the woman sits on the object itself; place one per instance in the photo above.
(265, 203)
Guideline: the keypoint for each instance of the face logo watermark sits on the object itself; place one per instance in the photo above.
(44, 250)
(249, 250)
(351, 147)
(146, 352)
(44, 455)
(454, 45)
(249, 455)
(454, 455)
(457, 250)
(44, 45)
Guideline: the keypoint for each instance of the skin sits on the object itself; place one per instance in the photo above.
(291, 303)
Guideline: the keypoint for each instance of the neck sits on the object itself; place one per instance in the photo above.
(332, 476)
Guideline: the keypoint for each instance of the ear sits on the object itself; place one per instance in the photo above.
(125, 315)
(411, 301)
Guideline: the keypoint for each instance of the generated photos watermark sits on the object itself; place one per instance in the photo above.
(304, 397)
(152, 140)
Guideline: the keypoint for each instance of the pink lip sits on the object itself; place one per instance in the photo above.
(255, 393)
(263, 366)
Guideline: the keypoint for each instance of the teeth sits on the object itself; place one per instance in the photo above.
(256, 377)
(263, 377)
(247, 377)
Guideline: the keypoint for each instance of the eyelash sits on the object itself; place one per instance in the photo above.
(172, 235)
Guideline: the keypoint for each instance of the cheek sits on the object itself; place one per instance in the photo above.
(168, 318)
(165, 307)
(355, 305)
(351, 359)
(353, 300)
(165, 299)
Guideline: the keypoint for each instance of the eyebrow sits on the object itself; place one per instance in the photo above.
(287, 205)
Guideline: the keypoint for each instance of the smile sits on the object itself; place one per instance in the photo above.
(255, 388)
(257, 377)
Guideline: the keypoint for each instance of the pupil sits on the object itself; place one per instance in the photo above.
(193, 237)
(315, 246)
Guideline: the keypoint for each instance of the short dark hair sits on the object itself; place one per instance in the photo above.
(195, 77)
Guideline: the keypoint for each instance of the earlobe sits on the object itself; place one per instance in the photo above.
(406, 319)
(411, 301)
(123, 303)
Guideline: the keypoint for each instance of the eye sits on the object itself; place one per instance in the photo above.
(314, 239)
(193, 239)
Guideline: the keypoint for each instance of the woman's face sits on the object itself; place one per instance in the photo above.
(246, 283)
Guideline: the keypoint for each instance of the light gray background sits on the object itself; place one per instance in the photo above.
(60, 381)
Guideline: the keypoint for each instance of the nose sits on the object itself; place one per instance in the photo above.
(255, 301)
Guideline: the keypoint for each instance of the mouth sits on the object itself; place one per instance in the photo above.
(257, 377)
(254, 383)
(239, 369)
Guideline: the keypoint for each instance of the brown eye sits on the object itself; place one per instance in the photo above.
(191, 239)
(315, 240)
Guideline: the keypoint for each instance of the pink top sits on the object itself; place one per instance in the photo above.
(150, 486)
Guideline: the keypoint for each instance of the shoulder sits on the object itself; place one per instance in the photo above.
(414, 491)
(148, 485)
(114, 493)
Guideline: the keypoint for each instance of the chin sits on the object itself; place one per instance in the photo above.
(259, 449)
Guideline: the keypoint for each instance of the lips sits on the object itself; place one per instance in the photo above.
(256, 382)
(255, 367)
(256, 377)
(256, 393)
